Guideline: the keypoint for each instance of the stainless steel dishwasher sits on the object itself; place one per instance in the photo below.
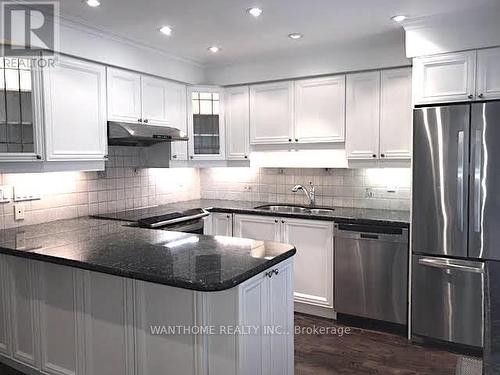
(371, 271)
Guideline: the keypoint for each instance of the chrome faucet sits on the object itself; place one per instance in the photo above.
(310, 194)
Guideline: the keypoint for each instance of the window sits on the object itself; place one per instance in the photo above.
(16, 123)
(206, 129)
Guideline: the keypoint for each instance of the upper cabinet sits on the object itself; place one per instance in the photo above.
(320, 110)
(154, 101)
(454, 77)
(236, 101)
(379, 115)
(124, 96)
(176, 116)
(206, 123)
(488, 74)
(395, 113)
(363, 115)
(271, 113)
(75, 118)
(21, 111)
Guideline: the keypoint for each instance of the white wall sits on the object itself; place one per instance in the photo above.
(453, 32)
(381, 51)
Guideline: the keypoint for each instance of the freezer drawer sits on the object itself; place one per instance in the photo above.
(448, 300)
(371, 272)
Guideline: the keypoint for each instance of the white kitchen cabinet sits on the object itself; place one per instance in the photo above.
(154, 100)
(266, 303)
(24, 313)
(4, 308)
(75, 118)
(320, 110)
(124, 95)
(160, 305)
(313, 239)
(363, 115)
(176, 117)
(108, 324)
(237, 122)
(488, 74)
(313, 276)
(444, 78)
(59, 306)
(262, 228)
(206, 123)
(271, 113)
(395, 114)
(222, 224)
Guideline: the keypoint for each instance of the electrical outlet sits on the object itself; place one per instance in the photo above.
(247, 188)
(19, 211)
(369, 193)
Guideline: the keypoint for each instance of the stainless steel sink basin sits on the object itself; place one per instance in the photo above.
(295, 209)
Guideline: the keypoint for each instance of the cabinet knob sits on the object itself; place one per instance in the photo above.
(289, 139)
(146, 120)
(374, 155)
(174, 156)
(382, 155)
(191, 157)
(481, 95)
(296, 139)
(269, 274)
(276, 272)
(276, 221)
(246, 156)
(228, 216)
(106, 157)
(470, 96)
(283, 221)
(139, 120)
(39, 157)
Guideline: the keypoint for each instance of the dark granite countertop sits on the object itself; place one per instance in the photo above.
(183, 260)
(340, 214)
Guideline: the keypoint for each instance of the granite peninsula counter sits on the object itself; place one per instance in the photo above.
(90, 296)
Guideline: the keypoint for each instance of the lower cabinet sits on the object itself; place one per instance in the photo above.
(313, 239)
(222, 224)
(4, 308)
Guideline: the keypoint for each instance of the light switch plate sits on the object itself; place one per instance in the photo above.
(19, 211)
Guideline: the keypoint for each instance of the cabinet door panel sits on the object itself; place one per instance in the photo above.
(260, 228)
(281, 315)
(23, 316)
(222, 224)
(58, 314)
(237, 123)
(176, 117)
(395, 114)
(124, 95)
(255, 356)
(320, 109)
(271, 113)
(108, 333)
(488, 74)
(444, 78)
(75, 119)
(313, 271)
(153, 306)
(154, 100)
(362, 115)
(4, 307)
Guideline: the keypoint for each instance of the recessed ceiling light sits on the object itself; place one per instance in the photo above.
(214, 49)
(399, 18)
(93, 3)
(167, 30)
(256, 12)
(295, 36)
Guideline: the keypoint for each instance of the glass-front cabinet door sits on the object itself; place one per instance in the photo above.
(19, 109)
(206, 123)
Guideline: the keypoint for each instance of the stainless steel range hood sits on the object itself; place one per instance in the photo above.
(132, 134)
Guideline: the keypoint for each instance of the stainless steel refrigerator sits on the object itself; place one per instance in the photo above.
(456, 218)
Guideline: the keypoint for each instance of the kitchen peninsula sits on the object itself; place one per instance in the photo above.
(90, 296)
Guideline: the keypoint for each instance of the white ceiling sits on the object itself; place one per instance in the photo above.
(198, 24)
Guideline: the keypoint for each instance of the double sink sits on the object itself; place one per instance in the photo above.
(295, 209)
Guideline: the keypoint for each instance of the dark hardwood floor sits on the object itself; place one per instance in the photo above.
(357, 353)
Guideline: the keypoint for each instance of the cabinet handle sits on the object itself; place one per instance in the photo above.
(276, 272)
(470, 96)
(146, 121)
(106, 157)
(139, 120)
(269, 273)
(481, 95)
(174, 156)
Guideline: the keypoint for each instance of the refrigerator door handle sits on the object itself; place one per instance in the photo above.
(450, 265)
(477, 180)
(460, 179)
